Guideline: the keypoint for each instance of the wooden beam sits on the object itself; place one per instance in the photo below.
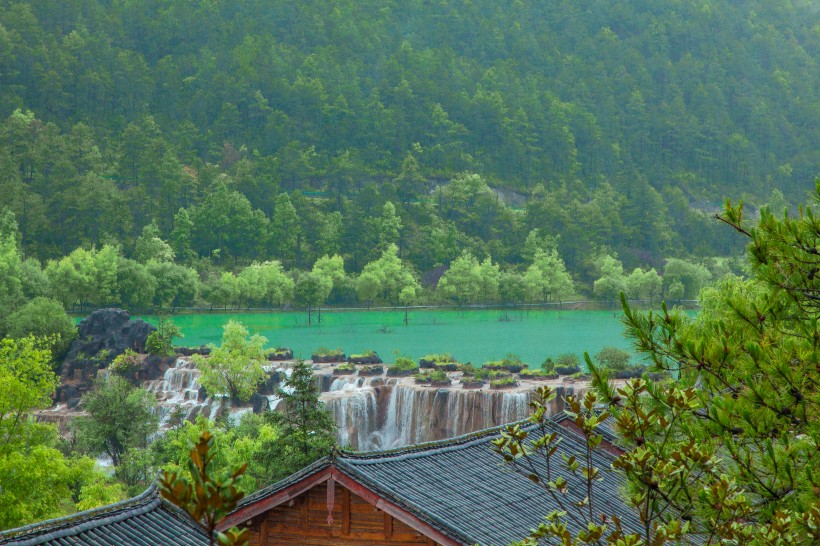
(388, 525)
(303, 513)
(263, 530)
(345, 511)
(263, 505)
(387, 506)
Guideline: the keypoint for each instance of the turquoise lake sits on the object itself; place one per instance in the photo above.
(473, 336)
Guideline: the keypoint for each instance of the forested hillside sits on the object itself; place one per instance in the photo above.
(265, 129)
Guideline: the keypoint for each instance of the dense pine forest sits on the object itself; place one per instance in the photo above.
(228, 133)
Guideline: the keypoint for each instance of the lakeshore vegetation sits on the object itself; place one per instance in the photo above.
(162, 154)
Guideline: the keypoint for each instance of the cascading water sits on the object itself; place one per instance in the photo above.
(370, 412)
(373, 414)
(179, 390)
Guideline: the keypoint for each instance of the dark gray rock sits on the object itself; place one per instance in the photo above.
(101, 337)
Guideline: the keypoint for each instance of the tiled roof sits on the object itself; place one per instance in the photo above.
(146, 520)
(462, 488)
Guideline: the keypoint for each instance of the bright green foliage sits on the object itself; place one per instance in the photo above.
(125, 363)
(613, 358)
(45, 319)
(208, 496)
(11, 286)
(120, 417)
(135, 285)
(251, 289)
(150, 246)
(176, 285)
(726, 454)
(233, 445)
(278, 285)
(612, 281)
(306, 429)
(234, 368)
(642, 284)
(312, 290)
(388, 276)
(462, 282)
(389, 227)
(691, 277)
(547, 278)
(161, 341)
(27, 383)
(36, 481)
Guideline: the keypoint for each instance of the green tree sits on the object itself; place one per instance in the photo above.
(150, 246)
(11, 286)
(120, 417)
(177, 285)
(726, 453)
(612, 281)
(234, 368)
(641, 284)
(307, 429)
(277, 284)
(547, 279)
(285, 230)
(461, 283)
(45, 319)
(161, 341)
(691, 276)
(312, 290)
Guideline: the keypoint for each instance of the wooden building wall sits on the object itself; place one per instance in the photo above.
(303, 521)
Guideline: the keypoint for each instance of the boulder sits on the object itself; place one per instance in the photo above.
(101, 337)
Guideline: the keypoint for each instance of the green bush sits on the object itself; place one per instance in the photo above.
(125, 363)
(503, 383)
(324, 351)
(548, 365)
(403, 363)
(614, 359)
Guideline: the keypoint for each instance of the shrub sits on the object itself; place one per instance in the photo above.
(568, 364)
(344, 369)
(439, 378)
(372, 370)
(614, 359)
(125, 363)
(548, 365)
(403, 366)
(505, 383)
(367, 357)
(431, 360)
(527, 373)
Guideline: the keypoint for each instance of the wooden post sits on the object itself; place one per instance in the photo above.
(345, 511)
(263, 530)
(388, 525)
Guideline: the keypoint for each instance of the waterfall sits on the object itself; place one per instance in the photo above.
(178, 390)
(374, 413)
(352, 400)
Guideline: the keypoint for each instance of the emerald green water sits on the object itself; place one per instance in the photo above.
(471, 336)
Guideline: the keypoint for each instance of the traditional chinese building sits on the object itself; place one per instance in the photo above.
(453, 492)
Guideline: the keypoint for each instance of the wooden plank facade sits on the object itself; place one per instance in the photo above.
(356, 522)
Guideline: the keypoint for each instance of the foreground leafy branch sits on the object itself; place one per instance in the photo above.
(208, 496)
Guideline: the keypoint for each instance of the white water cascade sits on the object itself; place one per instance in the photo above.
(374, 413)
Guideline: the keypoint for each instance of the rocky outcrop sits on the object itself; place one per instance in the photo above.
(101, 336)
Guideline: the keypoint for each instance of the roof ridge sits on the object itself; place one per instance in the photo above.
(67, 525)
